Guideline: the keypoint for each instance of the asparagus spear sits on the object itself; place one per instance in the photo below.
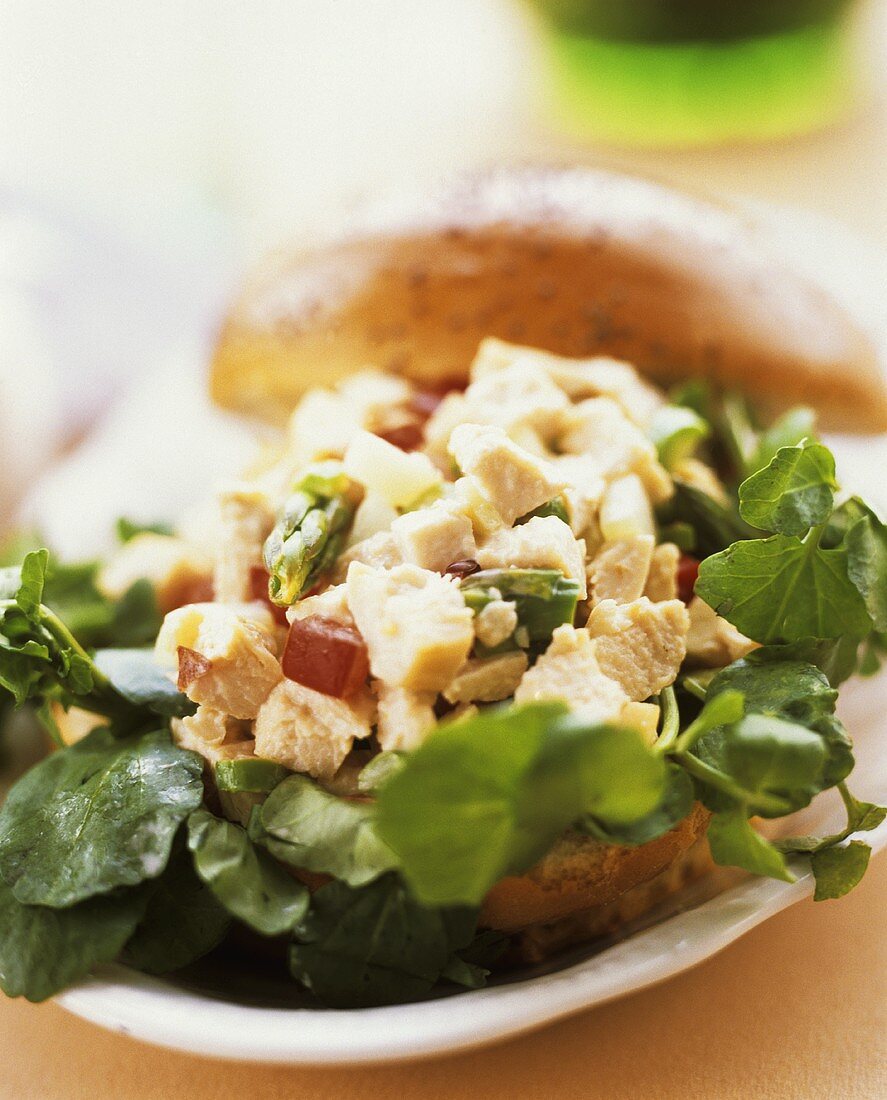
(544, 599)
(311, 532)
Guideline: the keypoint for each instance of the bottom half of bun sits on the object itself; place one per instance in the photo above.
(583, 887)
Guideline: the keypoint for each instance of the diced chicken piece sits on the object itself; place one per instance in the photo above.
(712, 641)
(702, 477)
(373, 395)
(415, 623)
(332, 603)
(374, 514)
(233, 663)
(543, 542)
(643, 717)
(399, 478)
(310, 732)
(514, 481)
(381, 552)
(435, 537)
(578, 378)
(641, 644)
(619, 571)
(517, 397)
(484, 517)
(582, 505)
(449, 414)
(487, 679)
(625, 510)
(213, 734)
(495, 622)
(662, 580)
(569, 670)
(321, 426)
(179, 571)
(405, 717)
(521, 399)
(246, 520)
(599, 430)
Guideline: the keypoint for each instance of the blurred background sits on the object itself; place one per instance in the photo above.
(149, 152)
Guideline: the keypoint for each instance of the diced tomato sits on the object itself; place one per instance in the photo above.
(688, 571)
(258, 587)
(325, 656)
(192, 665)
(408, 437)
(194, 590)
(424, 402)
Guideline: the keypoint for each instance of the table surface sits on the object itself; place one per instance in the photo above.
(795, 1009)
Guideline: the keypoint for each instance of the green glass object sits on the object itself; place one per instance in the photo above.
(695, 72)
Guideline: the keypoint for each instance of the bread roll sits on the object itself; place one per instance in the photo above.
(579, 262)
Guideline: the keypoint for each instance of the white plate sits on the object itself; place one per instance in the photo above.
(163, 1013)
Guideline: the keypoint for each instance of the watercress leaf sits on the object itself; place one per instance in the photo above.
(784, 688)
(716, 524)
(29, 594)
(676, 432)
(136, 676)
(790, 429)
(866, 544)
(767, 755)
(487, 796)
(780, 590)
(838, 870)
(245, 879)
(379, 769)
(44, 950)
(793, 493)
(306, 826)
(182, 923)
(734, 843)
(97, 815)
(796, 691)
(128, 528)
(675, 804)
(136, 618)
(370, 946)
(463, 973)
(846, 514)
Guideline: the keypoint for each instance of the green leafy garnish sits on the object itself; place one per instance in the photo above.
(822, 576)
(677, 432)
(244, 878)
(182, 922)
(838, 870)
(45, 950)
(128, 529)
(376, 945)
(793, 493)
(734, 843)
(487, 796)
(305, 826)
(95, 816)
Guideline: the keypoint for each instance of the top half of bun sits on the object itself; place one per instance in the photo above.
(579, 262)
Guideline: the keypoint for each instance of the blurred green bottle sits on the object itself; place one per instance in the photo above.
(696, 72)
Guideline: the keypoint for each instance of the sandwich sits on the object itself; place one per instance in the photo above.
(501, 641)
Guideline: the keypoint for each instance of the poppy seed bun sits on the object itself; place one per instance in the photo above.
(579, 262)
(580, 874)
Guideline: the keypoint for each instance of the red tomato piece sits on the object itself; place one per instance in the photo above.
(408, 437)
(325, 656)
(688, 571)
